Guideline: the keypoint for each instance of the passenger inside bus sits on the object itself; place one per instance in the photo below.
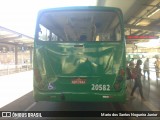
(83, 38)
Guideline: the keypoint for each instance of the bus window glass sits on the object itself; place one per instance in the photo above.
(80, 26)
(118, 33)
(47, 35)
(43, 33)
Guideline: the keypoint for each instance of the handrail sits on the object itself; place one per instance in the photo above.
(10, 69)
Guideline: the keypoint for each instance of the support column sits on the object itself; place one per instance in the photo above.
(16, 55)
(16, 58)
(31, 56)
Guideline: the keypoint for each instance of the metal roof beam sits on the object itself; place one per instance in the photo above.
(8, 30)
(10, 43)
(11, 38)
(155, 22)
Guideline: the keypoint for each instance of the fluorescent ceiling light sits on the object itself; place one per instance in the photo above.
(153, 12)
(137, 23)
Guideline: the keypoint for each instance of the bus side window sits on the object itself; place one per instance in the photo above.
(43, 33)
(47, 35)
(53, 37)
(118, 33)
(103, 37)
(112, 36)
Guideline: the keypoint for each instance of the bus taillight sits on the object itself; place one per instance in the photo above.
(122, 72)
(37, 76)
(117, 86)
(119, 79)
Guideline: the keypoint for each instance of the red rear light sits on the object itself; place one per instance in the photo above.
(117, 86)
(38, 80)
(119, 79)
(122, 72)
(37, 76)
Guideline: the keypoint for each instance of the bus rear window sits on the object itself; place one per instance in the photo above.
(79, 26)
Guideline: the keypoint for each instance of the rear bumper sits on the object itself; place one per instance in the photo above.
(79, 97)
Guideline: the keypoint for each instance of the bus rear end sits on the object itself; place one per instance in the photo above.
(79, 55)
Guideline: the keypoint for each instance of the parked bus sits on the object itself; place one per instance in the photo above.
(79, 55)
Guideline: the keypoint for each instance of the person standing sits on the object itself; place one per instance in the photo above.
(129, 76)
(131, 64)
(137, 82)
(157, 67)
(146, 68)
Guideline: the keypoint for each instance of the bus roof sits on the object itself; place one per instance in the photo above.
(82, 8)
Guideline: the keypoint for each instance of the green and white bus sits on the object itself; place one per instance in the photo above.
(79, 55)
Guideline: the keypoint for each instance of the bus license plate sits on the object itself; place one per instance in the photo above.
(100, 87)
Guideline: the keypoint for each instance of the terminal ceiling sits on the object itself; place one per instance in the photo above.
(141, 17)
(12, 38)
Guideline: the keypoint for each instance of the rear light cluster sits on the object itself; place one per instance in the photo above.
(119, 79)
(37, 76)
(41, 83)
(122, 72)
(38, 79)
